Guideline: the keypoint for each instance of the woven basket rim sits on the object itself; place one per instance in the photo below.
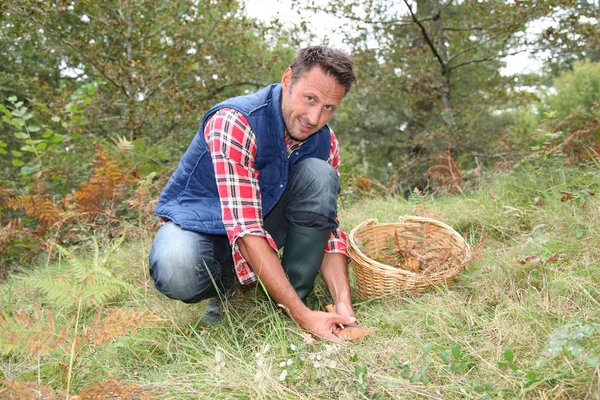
(404, 219)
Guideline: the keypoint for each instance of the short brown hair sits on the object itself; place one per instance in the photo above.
(333, 62)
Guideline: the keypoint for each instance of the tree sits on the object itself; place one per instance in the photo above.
(164, 62)
(430, 73)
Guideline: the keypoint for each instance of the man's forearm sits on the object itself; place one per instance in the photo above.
(335, 272)
(266, 265)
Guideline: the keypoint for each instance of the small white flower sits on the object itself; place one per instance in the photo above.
(282, 364)
(289, 362)
(311, 356)
(267, 347)
(293, 347)
(283, 375)
(317, 364)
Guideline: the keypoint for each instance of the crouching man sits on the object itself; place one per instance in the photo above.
(261, 173)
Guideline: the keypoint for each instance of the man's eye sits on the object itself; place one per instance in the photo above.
(310, 98)
(328, 108)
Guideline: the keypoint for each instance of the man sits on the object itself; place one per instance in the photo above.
(261, 173)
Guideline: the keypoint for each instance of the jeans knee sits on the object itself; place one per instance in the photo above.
(178, 270)
(315, 176)
(314, 187)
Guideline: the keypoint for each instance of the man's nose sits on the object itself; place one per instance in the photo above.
(314, 116)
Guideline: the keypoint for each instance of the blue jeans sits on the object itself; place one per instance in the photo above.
(192, 266)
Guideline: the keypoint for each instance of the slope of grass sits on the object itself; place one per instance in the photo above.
(521, 322)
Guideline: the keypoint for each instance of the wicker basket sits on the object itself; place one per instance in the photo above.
(429, 253)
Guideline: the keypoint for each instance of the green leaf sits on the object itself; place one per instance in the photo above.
(41, 146)
(17, 163)
(2, 151)
(21, 135)
(509, 355)
(445, 356)
(416, 377)
(592, 361)
(12, 99)
(34, 128)
(16, 153)
(425, 379)
(479, 389)
(2, 144)
(502, 364)
(55, 119)
(31, 169)
(575, 349)
(456, 352)
(56, 138)
(426, 348)
(513, 367)
(27, 116)
(48, 133)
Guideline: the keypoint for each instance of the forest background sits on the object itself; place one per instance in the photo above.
(99, 100)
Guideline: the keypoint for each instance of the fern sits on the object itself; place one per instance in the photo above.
(32, 334)
(37, 207)
(106, 183)
(114, 388)
(27, 390)
(117, 323)
(92, 284)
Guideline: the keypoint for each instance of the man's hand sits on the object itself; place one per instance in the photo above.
(344, 309)
(325, 325)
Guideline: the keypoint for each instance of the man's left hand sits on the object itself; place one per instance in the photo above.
(345, 309)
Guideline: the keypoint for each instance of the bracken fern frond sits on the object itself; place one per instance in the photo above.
(117, 323)
(93, 284)
(27, 390)
(32, 334)
(114, 388)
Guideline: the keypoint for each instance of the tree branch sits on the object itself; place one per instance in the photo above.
(426, 36)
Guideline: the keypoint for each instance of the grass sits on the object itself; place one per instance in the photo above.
(492, 334)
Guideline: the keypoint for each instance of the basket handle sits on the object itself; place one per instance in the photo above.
(370, 221)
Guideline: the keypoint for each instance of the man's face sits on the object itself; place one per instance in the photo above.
(309, 104)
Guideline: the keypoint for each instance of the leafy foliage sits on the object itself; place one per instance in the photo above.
(34, 333)
(91, 284)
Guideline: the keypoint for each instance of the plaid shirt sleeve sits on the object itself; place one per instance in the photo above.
(232, 145)
(337, 240)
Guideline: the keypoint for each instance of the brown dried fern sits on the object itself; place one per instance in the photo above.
(446, 174)
(27, 391)
(114, 388)
(34, 334)
(106, 183)
(37, 207)
(117, 323)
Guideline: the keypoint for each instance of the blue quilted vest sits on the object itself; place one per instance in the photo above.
(190, 198)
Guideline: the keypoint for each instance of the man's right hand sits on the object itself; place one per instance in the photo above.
(324, 325)
(265, 264)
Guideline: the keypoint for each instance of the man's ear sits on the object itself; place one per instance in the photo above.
(286, 79)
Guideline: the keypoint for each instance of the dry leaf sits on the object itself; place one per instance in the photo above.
(307, 337)
(531, 261)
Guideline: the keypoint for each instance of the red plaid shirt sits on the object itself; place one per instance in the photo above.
(232, 146)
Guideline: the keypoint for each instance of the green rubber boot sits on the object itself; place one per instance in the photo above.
(213, 313)
(303, 253)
